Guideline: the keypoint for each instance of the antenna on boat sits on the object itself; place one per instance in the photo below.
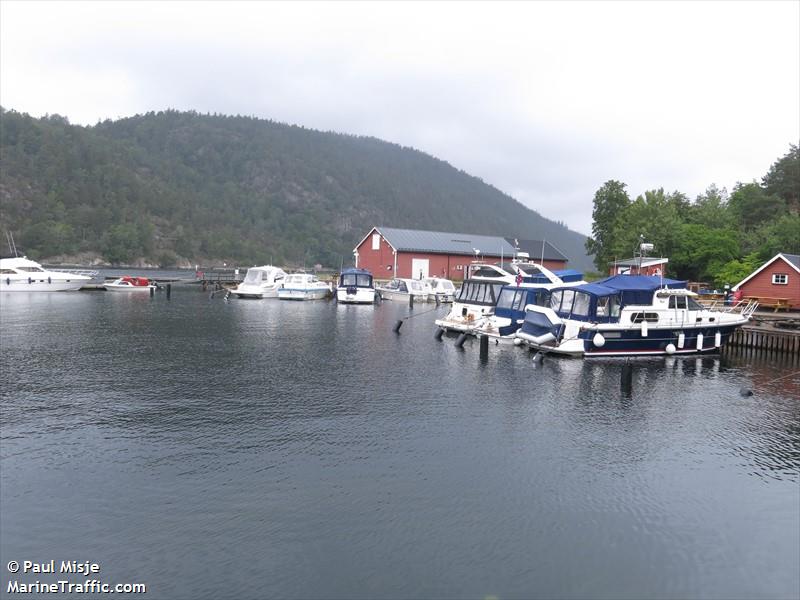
(12, 247)
(542, 251)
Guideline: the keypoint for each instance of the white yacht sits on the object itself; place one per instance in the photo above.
(356, 286)
(629, 315)
(474, 306)
(401, 289)
(19, 274)
(303, 286)
(442, 289)
(260, 282)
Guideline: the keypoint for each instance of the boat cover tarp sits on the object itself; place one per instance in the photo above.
(565, 275)
(634, 289)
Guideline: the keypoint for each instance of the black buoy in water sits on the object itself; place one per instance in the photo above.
(461, 339)
(439, 333)
(746, 392)
(397, 326)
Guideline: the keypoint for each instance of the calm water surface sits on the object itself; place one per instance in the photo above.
(257, 449)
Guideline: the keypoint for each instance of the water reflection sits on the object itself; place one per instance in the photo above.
(338, 459)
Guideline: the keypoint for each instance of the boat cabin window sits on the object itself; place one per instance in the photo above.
(475, 292)
(511, 298)
(485, 271)
(694, 304)
(417, 286)
(253, 277)
(561, 301)
(581, 304)
(8, 272)
(356, 279)
(647, 316)
(677, 302)
(401, 286)
(608, 306)
(31, 269)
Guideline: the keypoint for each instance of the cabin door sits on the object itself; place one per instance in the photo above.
(419, 268)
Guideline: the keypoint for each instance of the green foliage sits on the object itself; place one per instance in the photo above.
(610, 202)
(208, 188)
(734, 271)
(783, 179)
(713, 238)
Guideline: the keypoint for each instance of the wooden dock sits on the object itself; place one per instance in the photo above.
(767, 338)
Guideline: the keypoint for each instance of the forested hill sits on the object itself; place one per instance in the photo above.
(176, 187)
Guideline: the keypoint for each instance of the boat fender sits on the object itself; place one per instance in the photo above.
(439, 333)
(670, 348)
(717, 339)
(30, 280)
(598, 340)
(8, 280)
(644, 328)
(517, 341)
(461, 339)
(49, 280)
(681, 340)
(699, 341)
(537, 358)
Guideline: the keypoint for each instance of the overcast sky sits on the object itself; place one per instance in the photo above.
(545, 101)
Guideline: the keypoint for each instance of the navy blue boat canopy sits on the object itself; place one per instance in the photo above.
(565, 275)
(355, 278)
(603, 300)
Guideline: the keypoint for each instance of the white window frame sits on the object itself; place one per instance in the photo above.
(376, 241)
(776, 276)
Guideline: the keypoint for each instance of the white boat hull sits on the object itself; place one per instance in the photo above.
(298, 294)
(255, 292)
(42, 286)
(128, 288)
(361, 296)
(402, 296)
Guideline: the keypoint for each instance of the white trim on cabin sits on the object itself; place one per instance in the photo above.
(764, 266)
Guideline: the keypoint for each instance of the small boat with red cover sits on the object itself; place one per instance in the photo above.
(130, 284)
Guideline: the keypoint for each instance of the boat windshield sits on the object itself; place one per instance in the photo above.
(479, 292)
(356, 279)
(254, 276)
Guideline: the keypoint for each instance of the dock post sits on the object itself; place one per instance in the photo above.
(169, 290)
(484, 353)
(411, 301)
(626, 379)
(152, 291)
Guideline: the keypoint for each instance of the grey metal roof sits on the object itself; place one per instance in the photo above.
(794, 259)
(446, 243)
(535, 251)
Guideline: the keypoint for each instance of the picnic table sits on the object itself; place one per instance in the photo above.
(776, 303)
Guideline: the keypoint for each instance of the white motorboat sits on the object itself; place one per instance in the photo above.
(130, 284)
(356, 286)
(260, 282)
(629, 315)
(474, 306)
(401, 289)
(303, 286)
(20, 274)
(442, 289)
